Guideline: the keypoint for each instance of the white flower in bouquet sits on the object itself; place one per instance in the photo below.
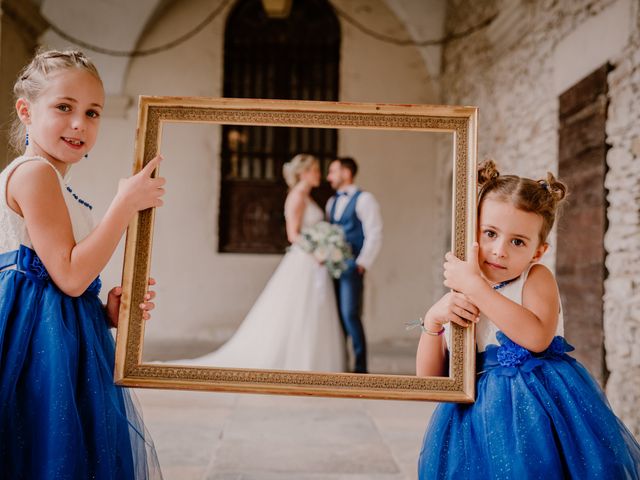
(305, 243)
(337, 256)
(321, 253)
(327, 244)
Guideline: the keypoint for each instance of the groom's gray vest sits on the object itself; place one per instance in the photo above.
(350, 223)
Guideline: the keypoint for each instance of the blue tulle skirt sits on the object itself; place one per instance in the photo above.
(61, 416)
(536, 416)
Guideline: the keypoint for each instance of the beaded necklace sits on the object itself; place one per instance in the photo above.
(80, 201)
(500, 285)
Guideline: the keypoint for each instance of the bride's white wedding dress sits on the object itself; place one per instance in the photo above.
(294, 324)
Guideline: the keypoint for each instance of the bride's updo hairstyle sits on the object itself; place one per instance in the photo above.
(538, 196)
(292, 169)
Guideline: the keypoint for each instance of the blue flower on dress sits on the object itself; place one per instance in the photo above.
(509, 353)
(29, 263)
(508, 358)
(38, 269)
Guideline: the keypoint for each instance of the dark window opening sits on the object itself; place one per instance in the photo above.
(295, 58)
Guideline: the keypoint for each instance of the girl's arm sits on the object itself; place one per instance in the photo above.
(430, 358)
(34, 192)
(532, 324)
(294, 210)
(452, 307)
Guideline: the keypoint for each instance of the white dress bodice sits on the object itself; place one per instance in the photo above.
(13, 230)
(312, 214)
(486, 330)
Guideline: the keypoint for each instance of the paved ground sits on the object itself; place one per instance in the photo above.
(213, 436)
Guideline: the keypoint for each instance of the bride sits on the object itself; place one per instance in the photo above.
(294, 324)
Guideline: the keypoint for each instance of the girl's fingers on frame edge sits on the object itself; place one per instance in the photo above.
(459, 321)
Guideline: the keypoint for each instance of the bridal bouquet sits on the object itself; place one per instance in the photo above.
(327, 244)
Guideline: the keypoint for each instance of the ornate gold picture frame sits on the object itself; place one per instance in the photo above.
(131, 371)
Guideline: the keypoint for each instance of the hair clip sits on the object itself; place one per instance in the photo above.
(544, 185)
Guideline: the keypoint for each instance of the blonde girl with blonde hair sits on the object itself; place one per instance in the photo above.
(538, 413)
(61, 416)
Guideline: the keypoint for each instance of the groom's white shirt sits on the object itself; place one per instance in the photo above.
(368, 212)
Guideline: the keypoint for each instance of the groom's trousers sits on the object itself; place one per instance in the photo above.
(349, 295)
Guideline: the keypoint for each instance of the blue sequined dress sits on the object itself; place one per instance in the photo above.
(536, 416)
(61, 416)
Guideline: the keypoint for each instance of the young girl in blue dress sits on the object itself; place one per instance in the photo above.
(61, 416)
(538, 413)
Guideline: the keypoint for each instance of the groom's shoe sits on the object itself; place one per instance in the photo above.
(360, 369)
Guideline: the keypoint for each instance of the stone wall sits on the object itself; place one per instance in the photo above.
(622, 240)
(514, 70)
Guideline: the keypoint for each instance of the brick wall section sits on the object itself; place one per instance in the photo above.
(513, 85)
(622, 240)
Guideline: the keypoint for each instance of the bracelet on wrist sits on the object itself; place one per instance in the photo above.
(433, 334)
(420, 323)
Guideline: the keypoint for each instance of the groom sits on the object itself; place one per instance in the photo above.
(358, 214)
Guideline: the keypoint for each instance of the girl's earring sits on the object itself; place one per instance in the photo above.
(26, 140)
(86, 155)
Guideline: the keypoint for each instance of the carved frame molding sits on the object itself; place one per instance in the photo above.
(155, 111)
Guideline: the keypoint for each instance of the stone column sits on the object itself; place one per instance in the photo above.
(20, 26)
